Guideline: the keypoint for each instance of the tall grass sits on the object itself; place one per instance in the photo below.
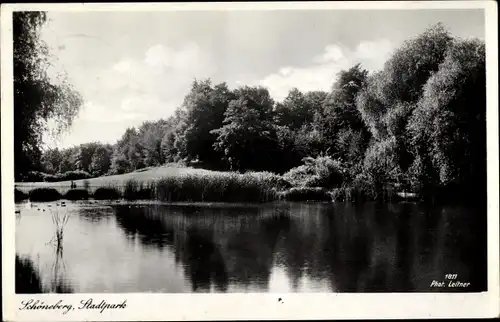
(227, 187)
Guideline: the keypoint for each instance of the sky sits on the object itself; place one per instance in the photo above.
(131, 67)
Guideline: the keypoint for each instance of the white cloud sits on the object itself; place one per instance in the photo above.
(322, 72)
(135, 90)
(373, 54)
(123, 66)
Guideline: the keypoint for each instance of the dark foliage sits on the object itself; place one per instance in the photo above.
(307, 194)
(44, 194)
(27, 279)
(20, 195)
(77, 194)
(106, 194)
(37, 99)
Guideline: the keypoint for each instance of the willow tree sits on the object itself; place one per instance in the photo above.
(38, 97)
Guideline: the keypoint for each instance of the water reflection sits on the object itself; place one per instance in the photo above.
(29, 281)
(272, 248)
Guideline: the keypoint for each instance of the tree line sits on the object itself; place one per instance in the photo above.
(420, 121)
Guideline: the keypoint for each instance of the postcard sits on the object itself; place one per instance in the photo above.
(242, 161)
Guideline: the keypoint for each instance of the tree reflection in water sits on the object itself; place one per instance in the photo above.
(353, 248)
(29, 279)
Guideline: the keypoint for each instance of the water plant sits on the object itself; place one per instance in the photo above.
(60, 221)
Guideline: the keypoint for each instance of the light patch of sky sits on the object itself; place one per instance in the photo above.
(133, 67)
(319, 74)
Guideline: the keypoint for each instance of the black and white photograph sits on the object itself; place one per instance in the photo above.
(286, 151)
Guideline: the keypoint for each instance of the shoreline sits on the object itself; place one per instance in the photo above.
(295, 194)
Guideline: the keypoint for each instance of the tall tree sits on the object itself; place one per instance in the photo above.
(37, 97)
(391, 95)
(127, 155)
(248, 137)
(51, 160)
(205, 106)
(343, 130)
(101, 160)
(448, 126)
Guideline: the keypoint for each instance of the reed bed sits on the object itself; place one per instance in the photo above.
(223, 187)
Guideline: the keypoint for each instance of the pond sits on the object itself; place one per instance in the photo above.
(118, 247)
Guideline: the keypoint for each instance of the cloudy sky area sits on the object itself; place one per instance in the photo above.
(131, 67)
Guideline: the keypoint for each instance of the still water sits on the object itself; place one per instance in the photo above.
(282, 247)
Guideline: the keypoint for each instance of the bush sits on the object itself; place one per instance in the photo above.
(317, 172)
(306, 194)
(50, 177)
(106, 193)
(44, 194)
(77, 194)
(272, 179)
(73, 175)
(33, 176)
(363, 189)
(36, 176)
(19, 195)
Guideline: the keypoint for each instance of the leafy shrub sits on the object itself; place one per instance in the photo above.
(33, 176)
(317, 172)
(36, 176)
(50, 177)
(74, 175)
(272, 179)
(77, 194)
(106, 193)
(19, 195)
(44, 194)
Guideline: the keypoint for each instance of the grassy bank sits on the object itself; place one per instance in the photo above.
(175, 184)
(169, 184)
